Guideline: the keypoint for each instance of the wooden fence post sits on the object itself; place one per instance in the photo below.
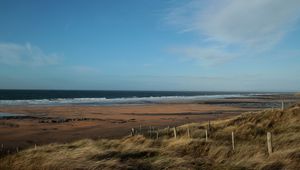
(17, 149)
(282, 105)
(34, 146)
(188, 132)
(150, 132)
(140, 129)
(206, 135)
(2, 148)
(232, 139)
(132, 132)
(153, 129)
(175, 133)
(269, 142)
(157, 134)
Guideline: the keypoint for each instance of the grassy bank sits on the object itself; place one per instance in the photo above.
(141, 152)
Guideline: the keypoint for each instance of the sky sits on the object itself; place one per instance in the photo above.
(193, 45)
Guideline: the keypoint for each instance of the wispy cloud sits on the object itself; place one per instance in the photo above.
(206, 55)
(26, 54)
(256, 25)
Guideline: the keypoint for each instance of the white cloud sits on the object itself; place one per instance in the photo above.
(25, 54)
(252, 25)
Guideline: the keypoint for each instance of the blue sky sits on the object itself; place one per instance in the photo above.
(229, 45)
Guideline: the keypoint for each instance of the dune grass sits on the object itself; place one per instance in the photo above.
(141, 152)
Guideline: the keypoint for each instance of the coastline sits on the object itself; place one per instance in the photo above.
(59, 124)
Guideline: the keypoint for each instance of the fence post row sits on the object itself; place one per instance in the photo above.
(151, 129)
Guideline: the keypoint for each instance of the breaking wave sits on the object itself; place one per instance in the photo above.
(117, 101)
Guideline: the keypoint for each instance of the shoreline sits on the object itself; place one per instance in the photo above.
(128, 100)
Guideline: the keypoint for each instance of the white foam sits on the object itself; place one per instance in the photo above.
(105, 101)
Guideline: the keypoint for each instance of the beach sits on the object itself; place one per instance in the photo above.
(40, 124)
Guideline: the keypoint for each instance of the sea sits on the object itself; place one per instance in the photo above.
(104, 97)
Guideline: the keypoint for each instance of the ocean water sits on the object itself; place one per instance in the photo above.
(82, 97)
(4, 115)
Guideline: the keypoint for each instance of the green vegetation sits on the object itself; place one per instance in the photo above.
(140, 152)
(9, 124)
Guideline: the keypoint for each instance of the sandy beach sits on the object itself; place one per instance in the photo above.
(79, 122)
